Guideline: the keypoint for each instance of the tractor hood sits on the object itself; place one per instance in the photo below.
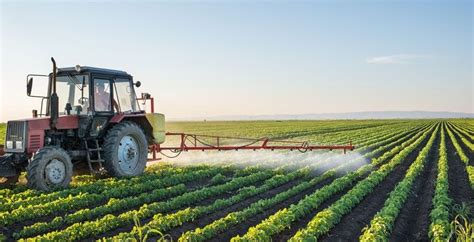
(28, 134)
(43, 123)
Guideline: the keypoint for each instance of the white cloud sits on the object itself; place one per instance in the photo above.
(395, 59)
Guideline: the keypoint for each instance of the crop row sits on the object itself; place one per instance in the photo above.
(112, 206)
(86, 199)
(440, 227)
(22, 193)
(464, 130)
(461, 133)
(110, 222)
(382, 224)
(393, 134)
(356, 136)
(470, 174)
(33, 197)
(386, 140)
(329, 217)
(466, 142)
(288, 130)
(458, 148)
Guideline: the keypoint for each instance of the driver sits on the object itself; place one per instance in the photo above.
(102, 98)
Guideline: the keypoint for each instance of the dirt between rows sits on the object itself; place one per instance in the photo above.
(413, 222)
(351, 225)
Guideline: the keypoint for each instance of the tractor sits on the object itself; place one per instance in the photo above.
(94, 119)
(92, 115)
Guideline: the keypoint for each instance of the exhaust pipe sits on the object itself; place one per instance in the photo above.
(54, 99)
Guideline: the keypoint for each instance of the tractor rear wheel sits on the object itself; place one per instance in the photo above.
(125, 150)
(51, 167)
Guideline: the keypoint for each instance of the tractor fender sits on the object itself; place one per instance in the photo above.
(153, 124)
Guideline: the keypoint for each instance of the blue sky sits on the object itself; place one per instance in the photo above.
(212, 58)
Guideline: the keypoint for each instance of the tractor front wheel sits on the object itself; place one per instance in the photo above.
(125, 150)
(51, 167)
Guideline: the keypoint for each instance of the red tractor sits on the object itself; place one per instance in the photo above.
(93, 116)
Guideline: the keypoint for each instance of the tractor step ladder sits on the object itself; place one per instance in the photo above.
(99, 159)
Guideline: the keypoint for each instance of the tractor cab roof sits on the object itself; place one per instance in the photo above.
(93, 70)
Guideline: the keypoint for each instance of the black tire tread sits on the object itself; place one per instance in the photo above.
(32, 168)
(110, 140)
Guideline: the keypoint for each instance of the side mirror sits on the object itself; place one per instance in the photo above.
(138, 84)
(29, 85)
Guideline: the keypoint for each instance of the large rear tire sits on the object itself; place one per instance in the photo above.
(125, 150)
(50, 168)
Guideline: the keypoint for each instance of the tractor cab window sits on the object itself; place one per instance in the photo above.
(73, 94)
(102, 95)
(124, 95)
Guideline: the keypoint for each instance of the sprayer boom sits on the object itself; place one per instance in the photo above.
(194, 142)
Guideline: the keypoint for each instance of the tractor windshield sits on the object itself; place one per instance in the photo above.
(73, 90)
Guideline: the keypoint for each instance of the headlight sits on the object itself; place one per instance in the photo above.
(19, 145)
(47, 140)
(9, 144)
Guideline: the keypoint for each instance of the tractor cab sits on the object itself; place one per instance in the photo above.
(89, 91)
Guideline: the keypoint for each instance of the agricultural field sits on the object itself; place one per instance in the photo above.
(407, 180)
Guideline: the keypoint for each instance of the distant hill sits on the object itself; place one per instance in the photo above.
(353, 115)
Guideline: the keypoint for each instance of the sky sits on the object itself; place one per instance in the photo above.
(214, 58)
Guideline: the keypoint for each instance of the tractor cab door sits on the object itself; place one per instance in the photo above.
(103, 105)
(102, 95)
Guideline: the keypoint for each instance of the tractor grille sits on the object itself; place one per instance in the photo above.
(35, 142)
(15, 140)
